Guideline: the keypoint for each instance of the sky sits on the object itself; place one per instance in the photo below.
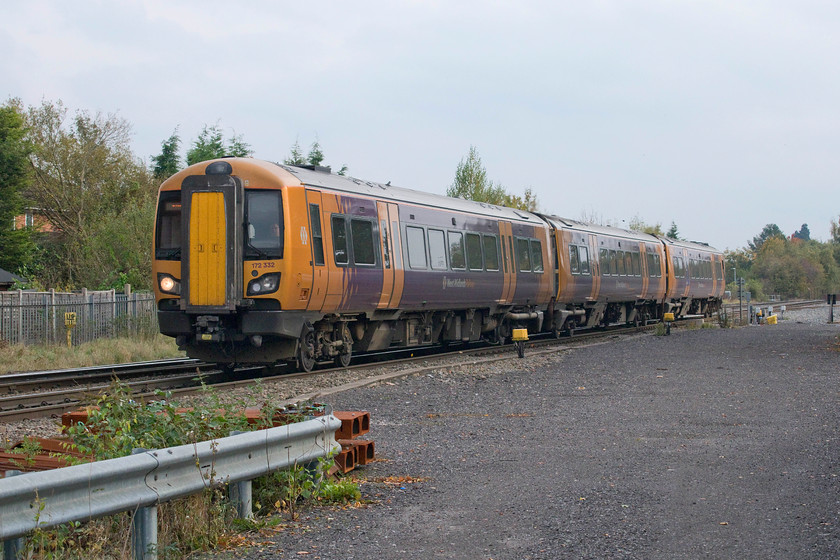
(720, 116)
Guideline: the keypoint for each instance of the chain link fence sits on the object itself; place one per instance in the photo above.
(39, 317)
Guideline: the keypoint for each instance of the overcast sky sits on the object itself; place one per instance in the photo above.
(721, 116)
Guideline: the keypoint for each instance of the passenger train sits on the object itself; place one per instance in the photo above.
(257, 262)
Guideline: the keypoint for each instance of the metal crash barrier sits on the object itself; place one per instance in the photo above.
(140, 482)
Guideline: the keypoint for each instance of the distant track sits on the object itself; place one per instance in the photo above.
(51, 393)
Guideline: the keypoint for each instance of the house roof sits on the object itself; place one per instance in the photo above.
(7, 277)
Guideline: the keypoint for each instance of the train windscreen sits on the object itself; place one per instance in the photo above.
(168, 231)
(264, 218)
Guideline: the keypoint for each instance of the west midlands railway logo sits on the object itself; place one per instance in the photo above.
(457, 283)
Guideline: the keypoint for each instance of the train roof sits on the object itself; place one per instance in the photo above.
(322, 177)
(574, 225)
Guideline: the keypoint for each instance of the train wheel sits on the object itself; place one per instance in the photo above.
(306, 351)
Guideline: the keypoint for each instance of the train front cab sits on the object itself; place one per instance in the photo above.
(222, 253)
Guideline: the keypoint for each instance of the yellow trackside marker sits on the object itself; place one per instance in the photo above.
(520, 335)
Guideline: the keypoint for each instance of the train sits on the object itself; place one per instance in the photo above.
(257, 262)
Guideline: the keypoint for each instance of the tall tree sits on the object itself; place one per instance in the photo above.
(471, 183)
(316, 156)
(87, 178)
(295, 155)
(237, 147)
(637, 224)
(168, 162)
(803, 233)
(209, 145)
(15, 178)
(673, 232)
(770, 231)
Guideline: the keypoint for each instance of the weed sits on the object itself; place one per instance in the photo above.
(118, 424)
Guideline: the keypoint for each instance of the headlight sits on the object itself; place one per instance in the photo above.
(169, 285)
(264, 285)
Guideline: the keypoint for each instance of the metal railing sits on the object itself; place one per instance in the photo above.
(39, 317)
(140, 482)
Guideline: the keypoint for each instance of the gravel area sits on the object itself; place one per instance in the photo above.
(708, 443)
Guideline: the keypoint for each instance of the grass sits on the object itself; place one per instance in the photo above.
(17, 357)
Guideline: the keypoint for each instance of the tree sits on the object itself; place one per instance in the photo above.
(673, 232)
(471, 183)
(637, 224)
(87, 180)
(316, 156)
(15, 178)
(168, 162)
(803, 234)
(210, 144)
(296, 156)
(769, 231)
(237, 147)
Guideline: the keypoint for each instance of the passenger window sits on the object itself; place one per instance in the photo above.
(474, 259)
(536, 255)
(637, 266)
(491, 252)
(364, 248)
(416, 241)
(456, 251)
(604, 255)
(523, 253)
(583, 255)
(619, 262)
(339, 240)
(317, 236)
(657, 265)
(437, 249)
(613, 263)
(574, 262)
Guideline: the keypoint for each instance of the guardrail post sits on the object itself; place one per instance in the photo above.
(13, 547)
(144, 529)
(144, 534)
(241, 494)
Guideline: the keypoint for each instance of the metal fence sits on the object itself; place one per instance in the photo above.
(39, 317)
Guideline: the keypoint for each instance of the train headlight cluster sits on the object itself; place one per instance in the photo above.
(264, 285)
(169, 285)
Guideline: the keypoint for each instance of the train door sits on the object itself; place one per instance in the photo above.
(397, 261)
(386, 247)
(595, 267)
(212, 241)
(320, 272)
(508, 262)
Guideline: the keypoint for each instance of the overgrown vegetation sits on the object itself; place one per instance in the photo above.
(117, 424)
(17, 357)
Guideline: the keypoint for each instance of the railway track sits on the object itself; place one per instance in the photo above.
(51, 393)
